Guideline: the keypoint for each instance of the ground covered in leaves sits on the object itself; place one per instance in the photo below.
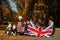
(18, 37)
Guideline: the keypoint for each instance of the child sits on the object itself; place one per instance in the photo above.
(51, 26)
(8, 29)
(14, 31)
(20, 28)
(25, 27)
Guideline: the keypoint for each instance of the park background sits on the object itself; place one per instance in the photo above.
(39, 10)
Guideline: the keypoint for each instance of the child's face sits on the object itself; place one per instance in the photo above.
(50, 21)
(27, 22)
(24, 22)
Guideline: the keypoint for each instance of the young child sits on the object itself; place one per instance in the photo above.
(25, 27)
(8, 29)
(14, 31)
(51, 26)
(20, 28)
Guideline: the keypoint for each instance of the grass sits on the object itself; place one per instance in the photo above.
(18, 37)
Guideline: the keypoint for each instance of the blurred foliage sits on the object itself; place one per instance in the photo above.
(38, 10)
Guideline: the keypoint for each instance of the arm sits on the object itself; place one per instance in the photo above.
(50, 25)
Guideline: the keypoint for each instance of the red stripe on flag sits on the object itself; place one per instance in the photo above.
(39, 31)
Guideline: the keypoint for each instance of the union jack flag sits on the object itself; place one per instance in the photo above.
(39, 32)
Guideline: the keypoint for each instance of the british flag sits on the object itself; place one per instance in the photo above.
(39, 32)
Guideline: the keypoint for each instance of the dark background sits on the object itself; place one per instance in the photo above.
(53, 10)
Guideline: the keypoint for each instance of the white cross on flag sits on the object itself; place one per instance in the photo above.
(39, 32)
